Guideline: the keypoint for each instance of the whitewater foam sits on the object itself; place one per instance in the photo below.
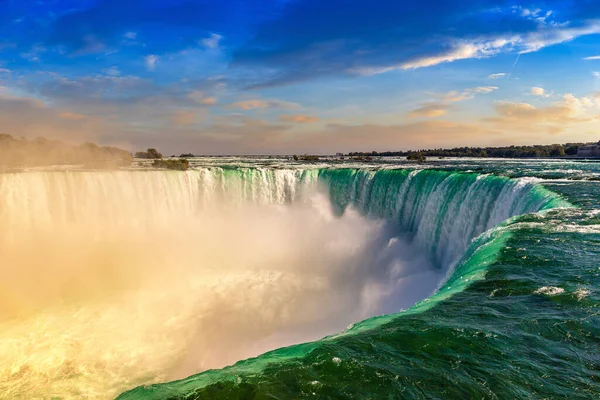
(550, 290)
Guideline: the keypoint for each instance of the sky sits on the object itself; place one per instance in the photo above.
(300, 76)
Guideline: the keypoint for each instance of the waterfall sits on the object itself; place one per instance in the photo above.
(116, 279)
(443, 210)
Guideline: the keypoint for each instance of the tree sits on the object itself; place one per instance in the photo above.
(419, 157)
(557, 151)
(151, 154)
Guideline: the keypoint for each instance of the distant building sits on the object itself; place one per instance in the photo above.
(590, 150)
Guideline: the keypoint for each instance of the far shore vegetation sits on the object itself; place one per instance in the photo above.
(43, 152)
(535, 151)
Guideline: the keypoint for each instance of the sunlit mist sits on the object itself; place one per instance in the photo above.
(112, 280)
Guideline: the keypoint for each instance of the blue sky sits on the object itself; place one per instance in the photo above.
(295, 76)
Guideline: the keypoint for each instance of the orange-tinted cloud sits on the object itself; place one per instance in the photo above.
(299, 118)
(429, 111)
(184, 118)
(70, 115)
(255, 104)
(200, 98)
(555, 118)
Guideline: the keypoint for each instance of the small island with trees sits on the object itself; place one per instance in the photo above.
(306, 157)
(178, 164)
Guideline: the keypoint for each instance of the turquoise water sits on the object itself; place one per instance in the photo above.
(516, 318)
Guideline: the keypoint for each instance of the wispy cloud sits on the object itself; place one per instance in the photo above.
(441, 105)
(299, 118)
(34, 53)
(151, 61)
(201, 98)
(592, 58)
(185, 118)
(454, 96)
(497, 76)
(432, 110)
(112, 71)
(255, 104)
(484, 89)
(212, 42)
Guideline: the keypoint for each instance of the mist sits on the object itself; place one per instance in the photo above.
(101, 293)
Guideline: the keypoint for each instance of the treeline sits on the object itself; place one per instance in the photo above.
(536, 151)
(42, 152)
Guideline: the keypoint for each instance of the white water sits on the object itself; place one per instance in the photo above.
(115, 279)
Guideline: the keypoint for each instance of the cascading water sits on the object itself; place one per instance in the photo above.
(444, 210)
(115, 279)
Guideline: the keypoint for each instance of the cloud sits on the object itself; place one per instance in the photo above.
(233, 136)
(112, 71)
(34, 53)
(422, 134)
(185, 118)
(165, 26)
(440, 107)
(256, 104)
(91, 89)
(460, 50)
(16, 118)
(212, 42)
(162, 123)
(455, 96)
(298, 118)
(555, 118)
(497, 76)
(429, 111)
(466, 94)
(255, 136)
(151, 61)
(484, 89)
(483, 48)
(73, 116)
(538, 91)
(186, 130)
(314, 38)
(200, 98)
